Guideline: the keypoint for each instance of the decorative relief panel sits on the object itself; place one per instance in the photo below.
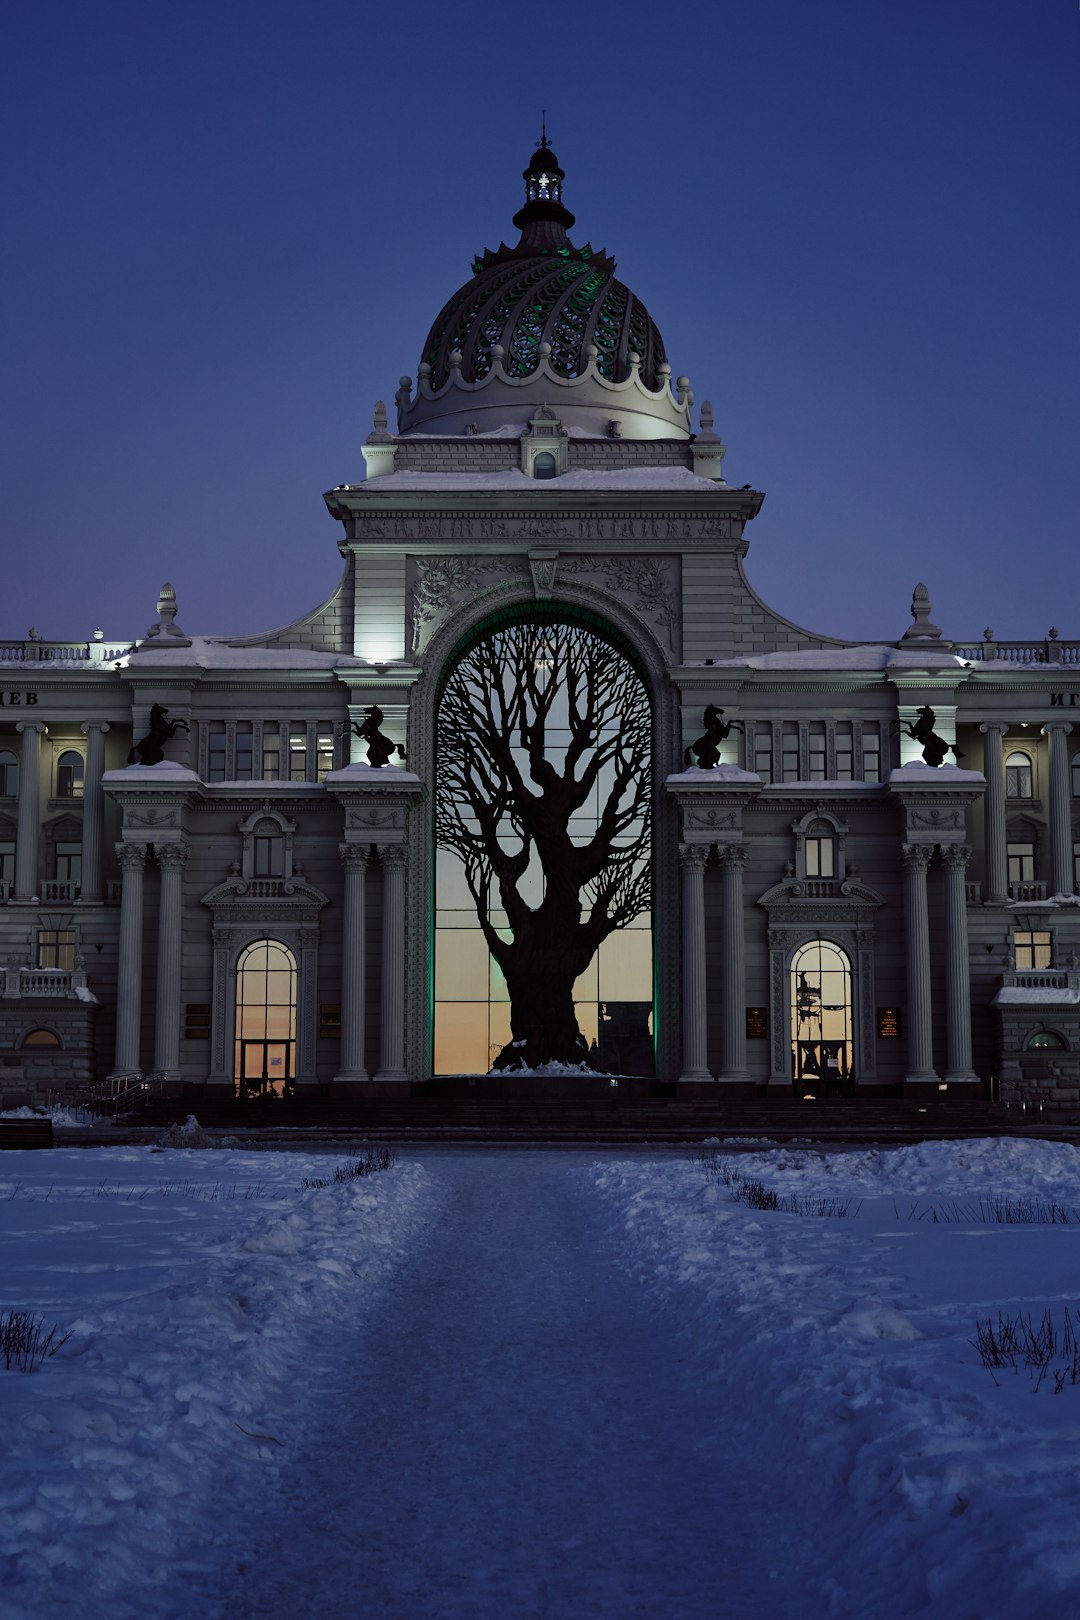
(647, 584)
(440, 583)
(583, 528)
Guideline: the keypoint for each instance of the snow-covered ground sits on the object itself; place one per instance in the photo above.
(513, 1384)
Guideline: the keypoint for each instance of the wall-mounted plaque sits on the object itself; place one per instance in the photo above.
(890, 1023)
(757, 1023)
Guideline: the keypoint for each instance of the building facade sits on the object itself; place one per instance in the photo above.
(631, 822)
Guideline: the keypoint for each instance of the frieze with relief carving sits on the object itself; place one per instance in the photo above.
(647, 584)
(440, 583)
(581, 528)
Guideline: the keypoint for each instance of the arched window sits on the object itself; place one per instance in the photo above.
(1045, 1040)
(265, 1020)
(544, 465)
(69, 775)
(543, 833)
(819, 850)
(1018, 776)
(41, 1037)
(821, 1018)
(9, 774)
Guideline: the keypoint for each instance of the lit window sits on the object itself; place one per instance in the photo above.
(789, 749)
(298, 751)
(9, 774)
(1044, 1040)
(1032, 949)
(1017, 776)
(56, 948)
(324, 751)
(41, 1037)
(763, 752)
(271, 752)
(245, 744)
(215, 755)
(845, 752)
(69, 775)
(1021, 862)
(871, 751)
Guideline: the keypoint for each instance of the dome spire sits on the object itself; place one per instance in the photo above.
(543, 193)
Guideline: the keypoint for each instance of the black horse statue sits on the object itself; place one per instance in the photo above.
(934, 748)
(706, 750)
(150, 750)
(380, 747)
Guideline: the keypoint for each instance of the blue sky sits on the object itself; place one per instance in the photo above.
(230, 226)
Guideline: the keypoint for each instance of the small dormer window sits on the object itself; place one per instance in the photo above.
(545, 465)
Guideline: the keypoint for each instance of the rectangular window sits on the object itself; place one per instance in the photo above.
(845, 752)
(69, 863)
(1021, 863)
(871, 751)
(245, 743)
(56, 948)
(820, 859)
(297, 751)
(269, 854)
(763, 752)
(789, 750)
(816, 741)
(271, 752)
(7, 863)
(1032, 949)
(1076, 865)
(197, 1021)
(324, 751)
(215, 752)
(329, 1021)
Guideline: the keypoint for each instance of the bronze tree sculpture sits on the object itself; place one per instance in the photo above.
(538, 722)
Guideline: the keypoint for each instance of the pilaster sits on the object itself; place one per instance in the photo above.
(917, 942)
(132, 858)
(352, 1073)
(28, 834)
(733, 1033)
(93, 812)
(695, 1069)
(392, 999)
(1061, 863)
(997, 866)
(171, 858)
(955, 858)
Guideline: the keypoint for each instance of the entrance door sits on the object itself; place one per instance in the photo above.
(821, 1039)
(265, 1020)
(266, 1068)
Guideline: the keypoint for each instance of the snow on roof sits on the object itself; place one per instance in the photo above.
(208, 652)
(865, 656)
(1023, 995)
(914, 774)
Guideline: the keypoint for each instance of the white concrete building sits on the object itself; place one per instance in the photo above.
(543, 594)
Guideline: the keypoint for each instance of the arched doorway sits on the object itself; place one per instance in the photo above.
(821, 1019)
(265, 1059)
(543, 858)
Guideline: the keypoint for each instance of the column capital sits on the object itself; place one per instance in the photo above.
(132, 857)
(94, 725)
(1056, 725)
(32, 725)
(733, 856)
(692, 857)
(392, 855)
(169, 855)
(989, 726)
(916, 857)
(355, 857)
(956, 855)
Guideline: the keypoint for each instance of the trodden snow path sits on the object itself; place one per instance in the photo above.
(517, 1432)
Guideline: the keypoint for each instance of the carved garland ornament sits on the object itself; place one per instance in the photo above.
(442, 581)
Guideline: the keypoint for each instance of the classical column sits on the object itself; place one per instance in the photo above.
(132, 858)
(28, 835)
(93, 812)
(733, 1048)
(917, 932)
(1061, 864)
(354, 858)
(392, 1000)
(692, 858)
(171, 858)
(997, 866)
(957, 966)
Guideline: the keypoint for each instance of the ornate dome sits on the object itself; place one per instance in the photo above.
(549, 311)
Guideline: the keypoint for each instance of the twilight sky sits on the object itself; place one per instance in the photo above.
(230, 225)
